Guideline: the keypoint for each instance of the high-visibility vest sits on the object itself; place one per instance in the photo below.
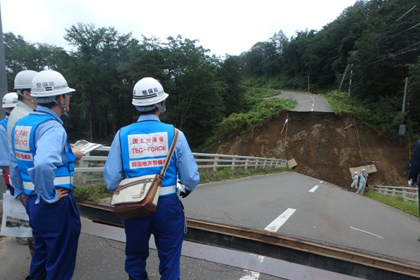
(24, 148)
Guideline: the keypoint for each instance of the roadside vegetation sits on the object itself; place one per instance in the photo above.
(380, 116)
(91, 192)
(263, 110)
(396, 201)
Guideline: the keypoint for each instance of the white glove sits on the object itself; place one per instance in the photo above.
(182, 191)
(410, 183)
(180, 187)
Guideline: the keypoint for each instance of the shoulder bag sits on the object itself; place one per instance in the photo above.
(138, 197)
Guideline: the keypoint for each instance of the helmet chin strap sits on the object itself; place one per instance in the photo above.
(162, 109)
(63, 107)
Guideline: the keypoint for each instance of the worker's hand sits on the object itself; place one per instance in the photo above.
(78, 154)
(412, 184)
(60, 194)
(22, 199)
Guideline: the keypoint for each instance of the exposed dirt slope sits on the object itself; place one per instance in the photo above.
(325, 146)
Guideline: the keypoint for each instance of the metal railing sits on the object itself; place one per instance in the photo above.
(407, 193)
(95, 164)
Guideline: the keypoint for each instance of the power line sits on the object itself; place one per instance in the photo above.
(406, 13)
(403, 51)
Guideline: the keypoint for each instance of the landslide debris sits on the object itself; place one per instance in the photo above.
(324, 146)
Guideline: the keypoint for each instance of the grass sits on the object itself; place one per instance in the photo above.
(92, 192)
(395, 201)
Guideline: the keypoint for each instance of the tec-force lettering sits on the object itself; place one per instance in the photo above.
(147, 145)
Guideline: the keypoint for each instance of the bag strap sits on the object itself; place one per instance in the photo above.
(170, 153)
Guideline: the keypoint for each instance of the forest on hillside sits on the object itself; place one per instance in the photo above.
(374, 43)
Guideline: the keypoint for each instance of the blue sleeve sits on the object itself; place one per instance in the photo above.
(415, 163)
(50, 139)
(14, 175)
(185, 164)
(113, 170)
(4, 147)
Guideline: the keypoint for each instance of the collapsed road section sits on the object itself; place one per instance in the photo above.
(296, 250)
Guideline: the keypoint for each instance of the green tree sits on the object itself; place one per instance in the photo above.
(387, 45)
(195, 94)
(21, 55)
(102, 92)
(233, 94)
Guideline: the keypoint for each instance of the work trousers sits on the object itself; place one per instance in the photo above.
(361, 189)
(168, 228)
(56, 230)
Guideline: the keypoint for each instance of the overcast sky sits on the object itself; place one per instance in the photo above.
(223, 26)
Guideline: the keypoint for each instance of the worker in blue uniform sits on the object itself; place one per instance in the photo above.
(137, 150)
(413, 174)
(42, 172)
(8, 103)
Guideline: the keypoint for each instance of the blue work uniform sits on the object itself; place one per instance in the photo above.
(5, 151)
(415, 166)
(140, 149)
(44, 162)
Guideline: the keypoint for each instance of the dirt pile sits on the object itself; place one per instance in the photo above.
(324, 146)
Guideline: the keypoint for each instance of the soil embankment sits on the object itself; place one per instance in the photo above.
(324, 146)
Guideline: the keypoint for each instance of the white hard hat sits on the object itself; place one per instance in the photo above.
(148, 92)
(355, 172)
(49, 83)
(363, 169)
(9, 100)
(23, 79)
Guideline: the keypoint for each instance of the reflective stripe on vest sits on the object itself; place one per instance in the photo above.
(57, 182)
(164, 191)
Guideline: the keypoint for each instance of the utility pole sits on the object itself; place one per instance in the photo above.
(3, 79)
(342, 79)
(405, 94)
(401, 130)
(309, 89)
(351, 73)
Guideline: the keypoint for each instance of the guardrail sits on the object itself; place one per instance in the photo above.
(95, 164)
(407, 193)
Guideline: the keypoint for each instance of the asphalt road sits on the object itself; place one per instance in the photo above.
(329, 214)
(307, 102)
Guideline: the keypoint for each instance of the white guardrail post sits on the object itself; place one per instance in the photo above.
(82, 179)
(407, 193)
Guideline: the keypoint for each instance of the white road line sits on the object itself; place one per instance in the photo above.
(313, 189)
(366, 232)
(250, 275)
(280, 220)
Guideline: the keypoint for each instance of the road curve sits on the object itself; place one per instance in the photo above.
(306, 102)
